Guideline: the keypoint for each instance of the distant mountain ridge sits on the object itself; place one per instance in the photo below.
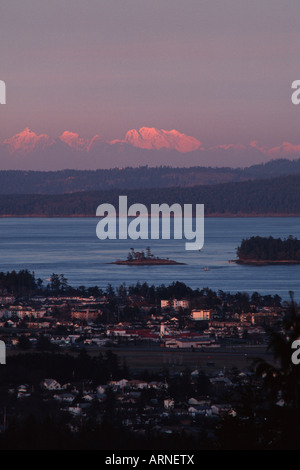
(71, 181)
(268, 197)
(145, 138)
(150, 146)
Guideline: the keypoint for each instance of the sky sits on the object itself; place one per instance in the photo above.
(218, 70)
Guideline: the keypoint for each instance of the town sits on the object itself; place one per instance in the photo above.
(161, 361)
(92, 318)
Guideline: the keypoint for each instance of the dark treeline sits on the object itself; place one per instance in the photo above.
(269, 248)
(261, 197)
(40, 425)
(267, 405)
(268, 414)
(19, 283)
(34, 432)
(62, 367)
(69, 181)
(23, 284)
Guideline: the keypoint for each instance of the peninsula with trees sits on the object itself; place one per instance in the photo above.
(260, 251)
(140, 258)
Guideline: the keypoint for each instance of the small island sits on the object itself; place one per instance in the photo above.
(261, 251)
(140, 258)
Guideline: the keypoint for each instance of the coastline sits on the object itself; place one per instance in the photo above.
(253, 262)
(76, 216)
(160, 262)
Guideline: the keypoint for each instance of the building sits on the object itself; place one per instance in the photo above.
(200, 315)
(87, 315)
(50, 384)
(193, 343)
(181, 304)
(176, 304)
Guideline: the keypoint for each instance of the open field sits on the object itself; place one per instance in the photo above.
(155, 358)
(177, 359)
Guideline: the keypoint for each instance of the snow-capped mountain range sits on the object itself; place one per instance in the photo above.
(146, 146)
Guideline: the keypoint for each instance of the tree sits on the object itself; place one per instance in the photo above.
(268, 405)
(63, 283)
(55, 283)
(44, 344)
(282, 380)
(24, 343)
(110, 292)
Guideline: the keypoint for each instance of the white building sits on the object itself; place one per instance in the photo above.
(200, 315)
(50, 384)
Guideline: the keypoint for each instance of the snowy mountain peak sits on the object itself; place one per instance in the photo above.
(155, 139)
(27, 141)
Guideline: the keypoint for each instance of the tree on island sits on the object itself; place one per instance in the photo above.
(269, 249)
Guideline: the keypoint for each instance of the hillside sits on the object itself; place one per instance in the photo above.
(70, 181)
(277, 196)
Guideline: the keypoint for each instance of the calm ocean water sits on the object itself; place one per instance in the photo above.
(70, 246)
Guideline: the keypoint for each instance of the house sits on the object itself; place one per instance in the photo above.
(158, 385)
(199, 410)
(117, 332)
(195, 373)
(184, 304)
(75, 410)
(118, 383)
(193, 401)
(87, 314)
(221, 381)
(89, 397)
(137, 384)
(23, 388)
(176, 304)
(64, 397)
(169, 404)
(222, 409)
(200, 315)
(50, 384)
(100, 391)
(23, 391)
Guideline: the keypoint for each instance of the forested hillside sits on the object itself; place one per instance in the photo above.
(70, 181)
(269, 248)
(278, 196)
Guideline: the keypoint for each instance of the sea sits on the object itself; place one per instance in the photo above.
(70, 246)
